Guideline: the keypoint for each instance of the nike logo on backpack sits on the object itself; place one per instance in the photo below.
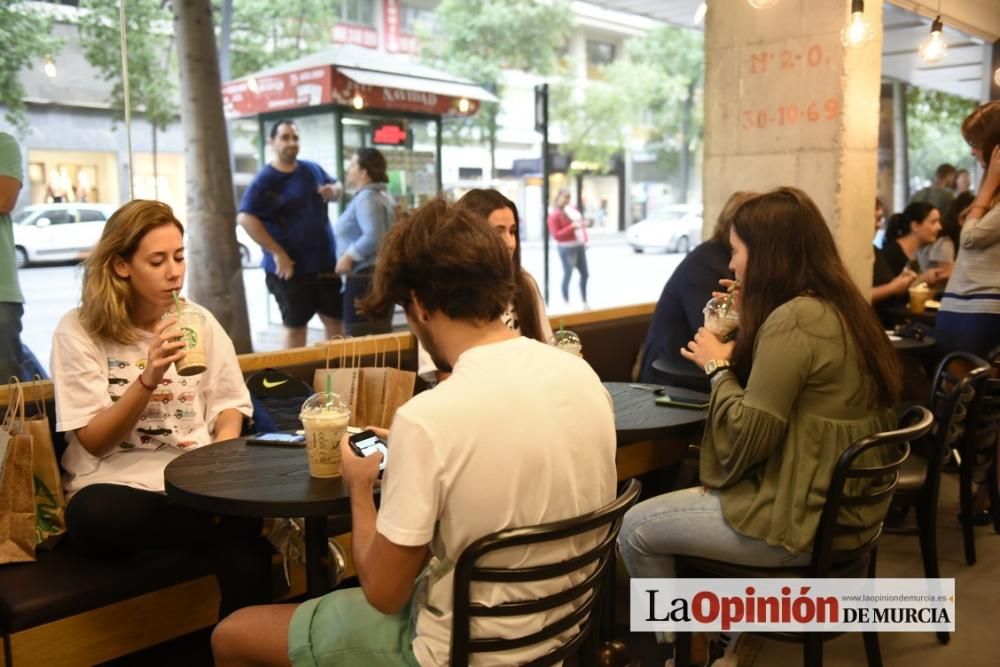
(271, 385)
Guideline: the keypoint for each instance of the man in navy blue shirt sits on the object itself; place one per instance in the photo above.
(284, 210)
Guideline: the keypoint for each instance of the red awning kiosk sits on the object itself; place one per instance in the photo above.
(347, 98)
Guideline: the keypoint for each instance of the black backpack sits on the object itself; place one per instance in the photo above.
(277, 400)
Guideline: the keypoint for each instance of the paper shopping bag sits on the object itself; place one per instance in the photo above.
(345, 381)
(17, 494)
(385, 388)
(50, 503)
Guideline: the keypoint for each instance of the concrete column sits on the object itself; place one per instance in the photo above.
(787, 104)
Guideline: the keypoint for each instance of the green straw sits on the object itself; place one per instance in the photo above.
(177, 302)
(560, 325)
(329, 387)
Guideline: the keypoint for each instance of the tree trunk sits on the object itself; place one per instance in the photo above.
(685, 156)
(215, 277)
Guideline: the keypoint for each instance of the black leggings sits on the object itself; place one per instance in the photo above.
(114, 520)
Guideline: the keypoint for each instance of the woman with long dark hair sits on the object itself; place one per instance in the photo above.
(810, 372)
(527, 312)
(913, 239)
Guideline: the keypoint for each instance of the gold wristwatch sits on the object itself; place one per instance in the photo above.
(715, 365)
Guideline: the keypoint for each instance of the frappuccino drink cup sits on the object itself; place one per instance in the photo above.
(721, 317)
(324, 417)
(918, 298)
(190, 328)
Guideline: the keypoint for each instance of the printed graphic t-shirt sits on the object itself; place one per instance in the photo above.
(90, 375)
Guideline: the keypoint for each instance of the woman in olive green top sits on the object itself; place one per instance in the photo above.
(810, 372)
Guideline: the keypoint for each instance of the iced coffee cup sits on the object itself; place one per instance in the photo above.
(568, 341)
(190, 328)
(918, 298)
(324, 417)
(720, 316)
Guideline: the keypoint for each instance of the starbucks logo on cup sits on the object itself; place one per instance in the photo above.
(190, 337)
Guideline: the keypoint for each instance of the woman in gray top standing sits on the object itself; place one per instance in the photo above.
(359, 232)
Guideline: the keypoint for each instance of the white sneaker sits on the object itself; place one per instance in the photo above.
(288, 537)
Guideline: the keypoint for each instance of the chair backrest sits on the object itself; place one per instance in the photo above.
(585, 596)
(979, 442)
(874, 487)
(952, 396)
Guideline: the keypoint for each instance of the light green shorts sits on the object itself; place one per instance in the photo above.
(341, 628)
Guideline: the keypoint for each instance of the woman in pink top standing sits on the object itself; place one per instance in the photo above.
(568, 228)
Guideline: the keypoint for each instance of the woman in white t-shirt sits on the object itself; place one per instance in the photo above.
(127, 413)
(526, 314)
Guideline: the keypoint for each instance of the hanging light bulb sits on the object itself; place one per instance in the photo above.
(699, 14)
(50, 68)
(358, 102)
(934, 48)
(858, 30)
(762, 4)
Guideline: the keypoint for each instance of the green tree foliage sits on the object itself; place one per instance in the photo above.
(479, 39)
(152, 78)
(933, 122)
(653, 91)
(266, 33)
(26, 36)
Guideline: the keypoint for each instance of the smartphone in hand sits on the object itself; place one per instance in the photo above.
(367, 443)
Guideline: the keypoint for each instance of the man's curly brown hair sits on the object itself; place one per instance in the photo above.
(450, 259)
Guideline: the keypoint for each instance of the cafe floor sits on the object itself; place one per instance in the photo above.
(974, 644)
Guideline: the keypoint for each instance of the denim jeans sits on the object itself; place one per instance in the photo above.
(356, 324)
(574, 257)
(690, 523)
(11, 354)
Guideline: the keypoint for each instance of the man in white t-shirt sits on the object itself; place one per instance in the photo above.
(492, 447)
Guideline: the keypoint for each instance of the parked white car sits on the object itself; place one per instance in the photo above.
(66, 232)
(675, 228)
(58, 232)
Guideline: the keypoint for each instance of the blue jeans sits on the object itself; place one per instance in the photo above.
(574, 257)
(689, 522)
(11, 354)
(356, 324)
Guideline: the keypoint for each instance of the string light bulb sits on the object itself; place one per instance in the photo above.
(762, 4)
(50, 68)
(358, 102)
(699, 14)
(858, 30)
(934, 48)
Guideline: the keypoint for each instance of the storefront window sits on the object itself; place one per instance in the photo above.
(409, 146)
(361, 12)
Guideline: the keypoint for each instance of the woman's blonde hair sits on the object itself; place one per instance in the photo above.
(107, 297)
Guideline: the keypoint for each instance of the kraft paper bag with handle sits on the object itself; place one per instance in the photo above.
(50, 503)
(385, 388)
(345, 381)
(17, 493)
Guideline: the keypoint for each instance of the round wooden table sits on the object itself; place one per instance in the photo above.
(235, 478)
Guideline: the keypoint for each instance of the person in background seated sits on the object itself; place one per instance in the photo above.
(963, 182)
(118, 401)
(907, 233)
(526, 313)
(491, 448)
(678, 313)
(939, 193)
(888, 289)
(954, 217)
(810, 365)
